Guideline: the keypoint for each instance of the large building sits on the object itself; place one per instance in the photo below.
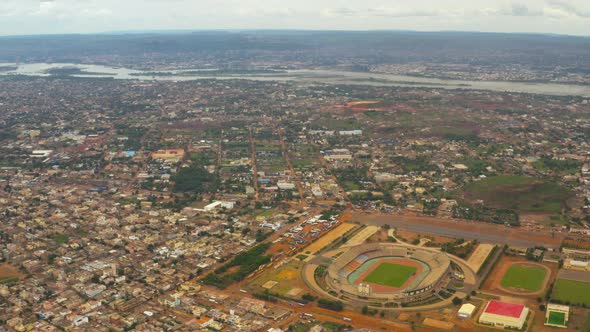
(504, 314)
(346, 271)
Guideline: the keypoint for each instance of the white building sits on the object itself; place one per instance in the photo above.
(466, 311)
(285, 185)
(350, 132)
(218, 205)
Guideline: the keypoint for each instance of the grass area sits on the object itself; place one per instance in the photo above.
(524, 277)
(8, 280)
(349, 186)
(572, 292)
(300, 327)
(266, 213)
(520, 193)
(587, 324)
(556, 318)
(61, 239)
(388, 274)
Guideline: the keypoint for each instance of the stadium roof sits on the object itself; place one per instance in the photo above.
(505, 309)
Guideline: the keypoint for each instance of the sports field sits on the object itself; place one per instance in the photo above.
(389, 274)
(572, 292)
(556, 318)
(524, 277)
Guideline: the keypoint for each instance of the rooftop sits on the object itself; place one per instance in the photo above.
(504, 309)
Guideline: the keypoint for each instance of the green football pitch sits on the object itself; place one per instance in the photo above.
(556, 318)
(524, 277)
(389, 274)
(571, 291)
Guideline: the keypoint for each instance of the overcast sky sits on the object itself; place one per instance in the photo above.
(87, 16)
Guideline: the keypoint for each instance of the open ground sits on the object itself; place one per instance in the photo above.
(325, 240)
(9, 273)
(479, 256)
(361, 237)
(494, 280)
(284, 280)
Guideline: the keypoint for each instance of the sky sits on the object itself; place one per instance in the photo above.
(21, 17)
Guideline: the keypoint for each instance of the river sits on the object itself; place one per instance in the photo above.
(309, 76)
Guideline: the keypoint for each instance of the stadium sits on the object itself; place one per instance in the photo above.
(388, 273)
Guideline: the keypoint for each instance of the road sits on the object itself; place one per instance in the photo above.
(291, 169)
(254, 166)
(469, 230)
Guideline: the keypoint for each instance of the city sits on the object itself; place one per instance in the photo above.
(249, 185)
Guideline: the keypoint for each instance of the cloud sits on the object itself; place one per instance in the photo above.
(521, 9)
(266, 12)
(385, 12)
(62, 16)
(569, 8)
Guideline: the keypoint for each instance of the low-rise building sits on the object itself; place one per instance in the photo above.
(504, 314)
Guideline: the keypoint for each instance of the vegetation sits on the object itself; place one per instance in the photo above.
(560, 166)
(61, 238)
(518, 193)
(524, 277)
(556, 318)
(587, 324)
(488, 259)
(8, 280)
(571, 292)
(351, 178)
(331, 305)
(388, 274)
(308, 297)
(195, 179)
(458, 248)
(487, 214)
(248, 262)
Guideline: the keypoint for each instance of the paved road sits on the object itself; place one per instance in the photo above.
(483, 232)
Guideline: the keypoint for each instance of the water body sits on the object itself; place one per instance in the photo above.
(307, 76)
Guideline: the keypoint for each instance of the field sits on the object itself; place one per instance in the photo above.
(572, 292)
(493, 282)
(322, 242)
(523, 277)
(283, 280)
(361, 237)
(519, 193)
(479, 256)
(388, 274)
(9, 274)
(556, 318)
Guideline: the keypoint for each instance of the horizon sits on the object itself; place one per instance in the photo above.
(253, 30)
(40, 17)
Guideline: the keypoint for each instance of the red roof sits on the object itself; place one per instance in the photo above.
(505, 309)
